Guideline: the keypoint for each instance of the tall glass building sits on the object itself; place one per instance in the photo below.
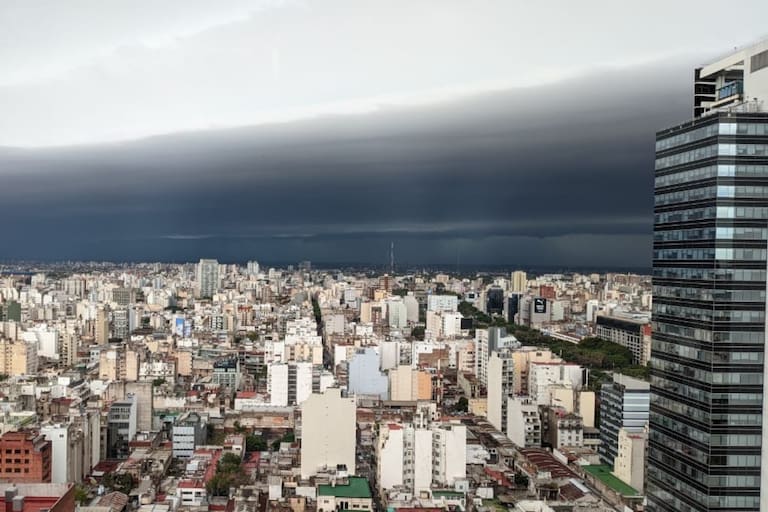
(709, 295)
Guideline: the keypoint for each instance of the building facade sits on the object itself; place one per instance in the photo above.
(624, 403)
(207, 277)
(633, 333)
(707, 439)
(328, 447)
(25, 457)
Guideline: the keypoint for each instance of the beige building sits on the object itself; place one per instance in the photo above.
(328, 433)
(17, 358)
(522, 359)
(101, 327)
(586, 407)
(629, 465)
(409, 384)
(112, 364)
(518, 281)
(184, 362)
(310, 352)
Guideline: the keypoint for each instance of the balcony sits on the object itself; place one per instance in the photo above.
(729, 90)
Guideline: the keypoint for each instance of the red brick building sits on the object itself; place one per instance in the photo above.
(25, 457)
(547, 291)
(37, 497)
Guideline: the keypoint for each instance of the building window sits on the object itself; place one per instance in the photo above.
(758, 61)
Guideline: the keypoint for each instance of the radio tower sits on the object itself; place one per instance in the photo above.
(392, 258)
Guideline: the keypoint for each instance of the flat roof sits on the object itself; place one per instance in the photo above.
(603, 473)
(355, 488)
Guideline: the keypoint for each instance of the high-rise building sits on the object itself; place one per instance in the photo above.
(501, 370)
(18, 357)
(207, 278)
(518, 281)
(708, 370)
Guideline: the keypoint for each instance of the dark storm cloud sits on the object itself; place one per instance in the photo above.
(559, 173)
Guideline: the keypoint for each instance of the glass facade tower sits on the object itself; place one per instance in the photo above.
(709, 309)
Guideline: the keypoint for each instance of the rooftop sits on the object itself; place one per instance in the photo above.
(355, 488)
(603, 473)
(631, 382)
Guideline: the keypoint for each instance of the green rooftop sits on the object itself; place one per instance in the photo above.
(356, 488)
(603, 473)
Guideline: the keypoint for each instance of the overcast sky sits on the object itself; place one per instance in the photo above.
(492, 131)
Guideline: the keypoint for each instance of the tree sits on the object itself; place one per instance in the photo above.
(122, 482)
(418, 332)
(81, 495)
(521, 480)
(158, 382)
(462, 405)
(288, 437)
(229, 463)
(254, 443)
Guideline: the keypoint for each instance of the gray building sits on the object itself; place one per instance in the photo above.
(624, 403)
(189, 432)
(631, 332)
(707, 439)
(207, 278)
(226, 373)
(121, 427)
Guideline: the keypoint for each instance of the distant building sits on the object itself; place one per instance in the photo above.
(565, 429)
(494, 301)
(122, 296)
(523, 422)
(36, 497)
(442, 303)
(410, 384)
(226, 373)
(416, 457)
(189, 432)
(292, 383)
(501, 370)
(10, 311)
(629, 464)
(350, 493)
(121, 427)
(25, 457)
(207, 277)
(18, 358)
(633, 333)
(518, 282)
(326, 447)
(624, 403)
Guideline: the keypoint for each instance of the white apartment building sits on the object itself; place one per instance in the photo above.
(523, 422)
(207, 278)
(442, 303)
(501, 371)
(544, 374)
(333, 440)
(629, 465)
(415, 457)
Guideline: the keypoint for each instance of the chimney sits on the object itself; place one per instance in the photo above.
(10, 493)
(18, 504)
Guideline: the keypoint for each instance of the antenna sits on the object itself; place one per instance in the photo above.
(392, 258)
